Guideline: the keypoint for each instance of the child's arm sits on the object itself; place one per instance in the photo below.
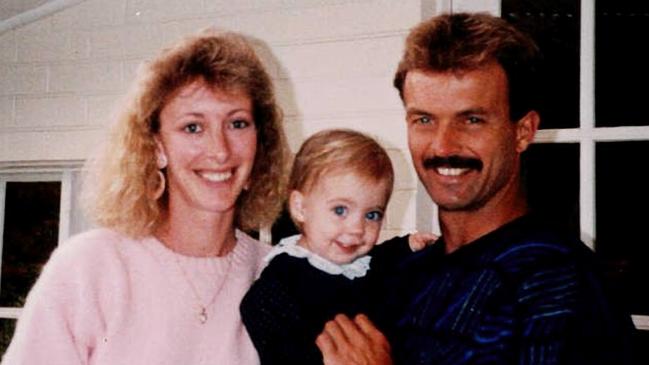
(419, 240)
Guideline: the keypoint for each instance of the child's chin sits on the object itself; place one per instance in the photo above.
(345, 259)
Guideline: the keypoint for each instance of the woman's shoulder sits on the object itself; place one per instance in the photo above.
(87, 242)
(95, 250)
(91, 242)
(249, 252)
(89, 262)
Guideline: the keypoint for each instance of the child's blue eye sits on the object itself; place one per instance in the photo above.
(374, 215)
(340, 210)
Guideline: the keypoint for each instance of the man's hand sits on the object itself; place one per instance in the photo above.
(353, 342)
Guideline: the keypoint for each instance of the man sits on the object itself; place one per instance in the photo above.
(500, 286)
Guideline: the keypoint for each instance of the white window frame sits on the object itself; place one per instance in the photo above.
(586, 135)
(68, 174)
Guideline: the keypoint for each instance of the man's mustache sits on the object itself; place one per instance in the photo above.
(453, 161)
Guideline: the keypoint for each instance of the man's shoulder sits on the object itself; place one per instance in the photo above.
(531, 241)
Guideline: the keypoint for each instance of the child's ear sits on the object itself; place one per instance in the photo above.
(295, 205)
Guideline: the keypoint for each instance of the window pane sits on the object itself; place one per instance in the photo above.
(554, 24)
(7, 326)
(621, 74)
(31, 230)
(621, 202)
(551, 177)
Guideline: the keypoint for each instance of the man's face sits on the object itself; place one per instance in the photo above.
(464, 147)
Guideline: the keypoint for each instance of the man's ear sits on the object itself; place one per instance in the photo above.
(161, 155)
(526, 129)
(296, 205)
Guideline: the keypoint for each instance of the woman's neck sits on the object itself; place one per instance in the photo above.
(198, 233)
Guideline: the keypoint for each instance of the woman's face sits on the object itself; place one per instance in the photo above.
(210, 139)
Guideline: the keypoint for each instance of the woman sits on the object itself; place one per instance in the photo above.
(197, 157)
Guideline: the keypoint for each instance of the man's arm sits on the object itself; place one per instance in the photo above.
(353, 342)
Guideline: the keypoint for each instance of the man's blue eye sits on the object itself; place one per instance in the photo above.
(374, 215)
(423, 120)
(340, 210)
(474, 120)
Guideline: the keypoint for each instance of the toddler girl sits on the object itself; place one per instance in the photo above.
(339, 188)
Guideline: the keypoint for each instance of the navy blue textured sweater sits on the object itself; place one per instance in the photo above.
(287, 307)
(522, 294)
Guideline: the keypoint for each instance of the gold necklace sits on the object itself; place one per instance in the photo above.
(202, 308)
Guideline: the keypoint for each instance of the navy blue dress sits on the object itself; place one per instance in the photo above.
(287, 307)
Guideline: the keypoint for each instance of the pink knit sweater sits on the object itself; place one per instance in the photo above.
(106, 299)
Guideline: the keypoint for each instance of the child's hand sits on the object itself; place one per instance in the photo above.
(419, 240)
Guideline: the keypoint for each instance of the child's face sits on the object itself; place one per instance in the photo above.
(341, 215)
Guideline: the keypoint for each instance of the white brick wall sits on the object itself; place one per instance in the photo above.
(7, 47)
(333, 60)
(6, 109)
(86, 78)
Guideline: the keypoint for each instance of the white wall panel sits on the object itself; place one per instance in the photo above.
(59, 145)
(129, 73)
(36, 42)
(7, 80)
(401, 211)
(7, 47)
(49, 112)
(143, 40)
(29, 79)
(339, 21)
(21, 79)
(241, 6)
(352, 58)
(176, 29)
(86, 78)
(6, 111)
(90, 15)
(336, 96)
(152, 11)
(102, 110)
(107, 43)
(405, 176)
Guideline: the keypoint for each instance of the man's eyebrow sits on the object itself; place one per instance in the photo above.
(413, 110)
(473, 111)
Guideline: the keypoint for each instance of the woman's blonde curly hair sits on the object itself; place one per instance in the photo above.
(121, 182)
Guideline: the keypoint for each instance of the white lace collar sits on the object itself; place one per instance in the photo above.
(355, 269)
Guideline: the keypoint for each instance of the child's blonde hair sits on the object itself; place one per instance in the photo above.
(340, 150)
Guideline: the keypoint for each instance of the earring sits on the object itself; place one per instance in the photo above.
(161, 160)
(161, 186)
